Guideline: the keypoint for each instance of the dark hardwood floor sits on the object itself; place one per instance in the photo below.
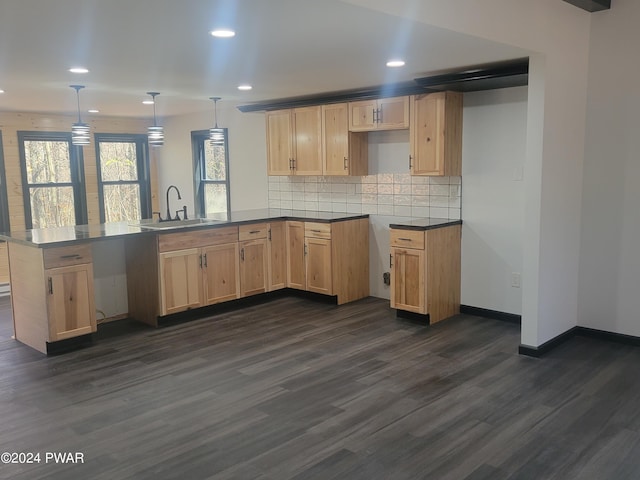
(295, 389)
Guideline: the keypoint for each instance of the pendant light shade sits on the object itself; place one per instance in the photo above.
(216, 134)
(80, 133)
(155, 132)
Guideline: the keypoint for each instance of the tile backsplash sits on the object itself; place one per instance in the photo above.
(396, 194)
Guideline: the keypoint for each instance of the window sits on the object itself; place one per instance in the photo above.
(52, 173)
(211, 179)
(123, 177)
(4, 210)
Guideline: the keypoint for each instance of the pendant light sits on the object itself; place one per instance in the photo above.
(216, 134)
(155, 132)
(79, 130)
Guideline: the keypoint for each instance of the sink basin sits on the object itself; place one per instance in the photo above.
(174, 223)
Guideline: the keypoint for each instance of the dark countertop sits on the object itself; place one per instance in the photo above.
(58, 236)
(424, 223)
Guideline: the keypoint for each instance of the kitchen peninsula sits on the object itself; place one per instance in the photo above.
(180, 266)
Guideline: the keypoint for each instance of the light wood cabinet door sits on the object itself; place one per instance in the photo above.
(280, 150)
(362, 115)
(407, 279)
(318, 265)
(253, 267)
(295, 255)
(180, 280)
(277, 252)
(70, 301)
(393, 113)
(435, 135)
(307, 140)
(221, 267)
(381, 114)
(344, 152)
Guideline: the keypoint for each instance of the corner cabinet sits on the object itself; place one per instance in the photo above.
(425, 271)
(329, 258)
(381, 114)
(52, 293)
(435, 134)
(294, 141)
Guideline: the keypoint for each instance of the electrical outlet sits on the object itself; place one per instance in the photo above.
(515, 279)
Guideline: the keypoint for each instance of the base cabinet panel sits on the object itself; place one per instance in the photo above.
(318, 266)
(180, 280)
(70, 302)
(277, 252)
(407, 280)
(221, 270)
(253, 267)
(296, 276)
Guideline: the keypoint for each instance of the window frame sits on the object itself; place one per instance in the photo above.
(142, 159)
(198, 139)
(76, 167)
(5, 222)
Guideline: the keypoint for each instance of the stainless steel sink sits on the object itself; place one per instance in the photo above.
(174, 223)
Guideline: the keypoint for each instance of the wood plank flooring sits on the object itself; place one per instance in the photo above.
(295, 389)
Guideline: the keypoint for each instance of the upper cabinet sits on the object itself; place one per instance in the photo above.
(381, 114)
(294, 141)
(343, 152)
(435, 134)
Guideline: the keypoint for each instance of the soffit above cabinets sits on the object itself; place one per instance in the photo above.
(511, 73)
(591, 5)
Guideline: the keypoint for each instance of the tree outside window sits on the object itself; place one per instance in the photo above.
(123, 179)
(51, 174)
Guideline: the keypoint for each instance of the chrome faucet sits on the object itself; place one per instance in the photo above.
(179, 198)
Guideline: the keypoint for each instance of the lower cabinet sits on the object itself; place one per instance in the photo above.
(277, 256)
(296, 276)
(221, 273)
(407, 279)
(329, 258)
(70, 301)
(425, 271)
(52, 293)
(202, 267)
(180, 280)
(254, 258)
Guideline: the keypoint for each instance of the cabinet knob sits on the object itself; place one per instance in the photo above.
(428, 139)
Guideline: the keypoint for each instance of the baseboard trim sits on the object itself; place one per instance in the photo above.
(494, 314)
(547, 346)
(421, 318)
(603, 335)
(608, 336)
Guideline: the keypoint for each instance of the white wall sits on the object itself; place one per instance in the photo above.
(247, 156)
(557, 34)
(609, 296)
(493, 157)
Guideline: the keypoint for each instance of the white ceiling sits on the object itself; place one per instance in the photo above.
(284, 48)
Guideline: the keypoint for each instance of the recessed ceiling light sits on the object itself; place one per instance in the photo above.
(1, 91)
(78, 70)
(223, 33)
(147, 102)
(395, 63)
(93, 110)
(244, 87)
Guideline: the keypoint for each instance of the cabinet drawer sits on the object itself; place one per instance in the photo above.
(407, 238)
(252, 232)
(317, 230)
(198, 238)
(71, 255)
